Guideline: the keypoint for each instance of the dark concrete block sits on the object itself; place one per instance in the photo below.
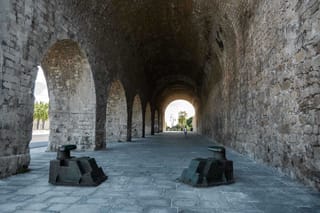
(203, 172)
(72, 171)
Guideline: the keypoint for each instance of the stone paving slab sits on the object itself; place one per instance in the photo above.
(142, 178)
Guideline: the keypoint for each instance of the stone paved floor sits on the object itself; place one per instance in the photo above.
(142, 178)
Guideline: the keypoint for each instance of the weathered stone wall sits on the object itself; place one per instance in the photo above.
(283, 83)
(211, 113)
(20, 56)
(270, 103)
(116, 121)
(72, 96)
(111, 52)
(29, 30)
(136, 128)
(148, 120)
(254, 66)
(156, 121)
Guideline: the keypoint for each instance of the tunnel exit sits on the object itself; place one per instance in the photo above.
(180, 114)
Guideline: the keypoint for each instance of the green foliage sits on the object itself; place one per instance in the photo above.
(189, 122)
(182, 122)
(41, 112)
(182, 118)
(36, 112)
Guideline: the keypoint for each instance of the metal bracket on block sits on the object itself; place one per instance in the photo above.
(204, 172)
(72, 171)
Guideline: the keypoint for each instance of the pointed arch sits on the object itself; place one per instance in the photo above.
(71, 89)
(136, 118)
(116, 115)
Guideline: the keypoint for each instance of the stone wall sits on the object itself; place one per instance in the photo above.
(116, 120)
(111, 55)
(148, 120)
(270, 106)
(156, 121)
(286, 59)
(72, 96)
(253, 65)
(20, 54)
(30, 29)
(136, 127)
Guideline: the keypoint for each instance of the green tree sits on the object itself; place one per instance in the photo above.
(41, 112)
(44, 113)
(182, 118)
(189, 122)
(36, 114)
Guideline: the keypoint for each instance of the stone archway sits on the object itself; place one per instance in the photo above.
(72, 96)
(116, 116)
(148, 120)
(171, 115)
(136, 128)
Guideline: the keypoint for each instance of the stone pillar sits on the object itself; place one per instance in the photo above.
(152, 121)
(72, 96)
(17, 77)
(143, 122)
(116, 116)
(148, 120)
(129, 121)
(137, 121)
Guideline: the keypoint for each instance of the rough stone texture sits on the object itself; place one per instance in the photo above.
(136, 118)
(287, 100)
(251, 66)
(116, 116)
(148, 120)
(72, 96)
(156, 121)
(268, 104)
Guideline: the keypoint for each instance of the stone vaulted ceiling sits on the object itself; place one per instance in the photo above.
(170, 38)
(165, 36)
(250, 67)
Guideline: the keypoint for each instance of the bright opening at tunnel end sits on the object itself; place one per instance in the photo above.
(174, 108)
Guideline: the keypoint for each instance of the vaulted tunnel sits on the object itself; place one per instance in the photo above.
(250, 68)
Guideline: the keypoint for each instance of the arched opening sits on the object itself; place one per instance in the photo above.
(41, 102)
(72, 96)
(41, 124)
(116, 121)
(178, 115)
(148, 120)
(136, 128)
